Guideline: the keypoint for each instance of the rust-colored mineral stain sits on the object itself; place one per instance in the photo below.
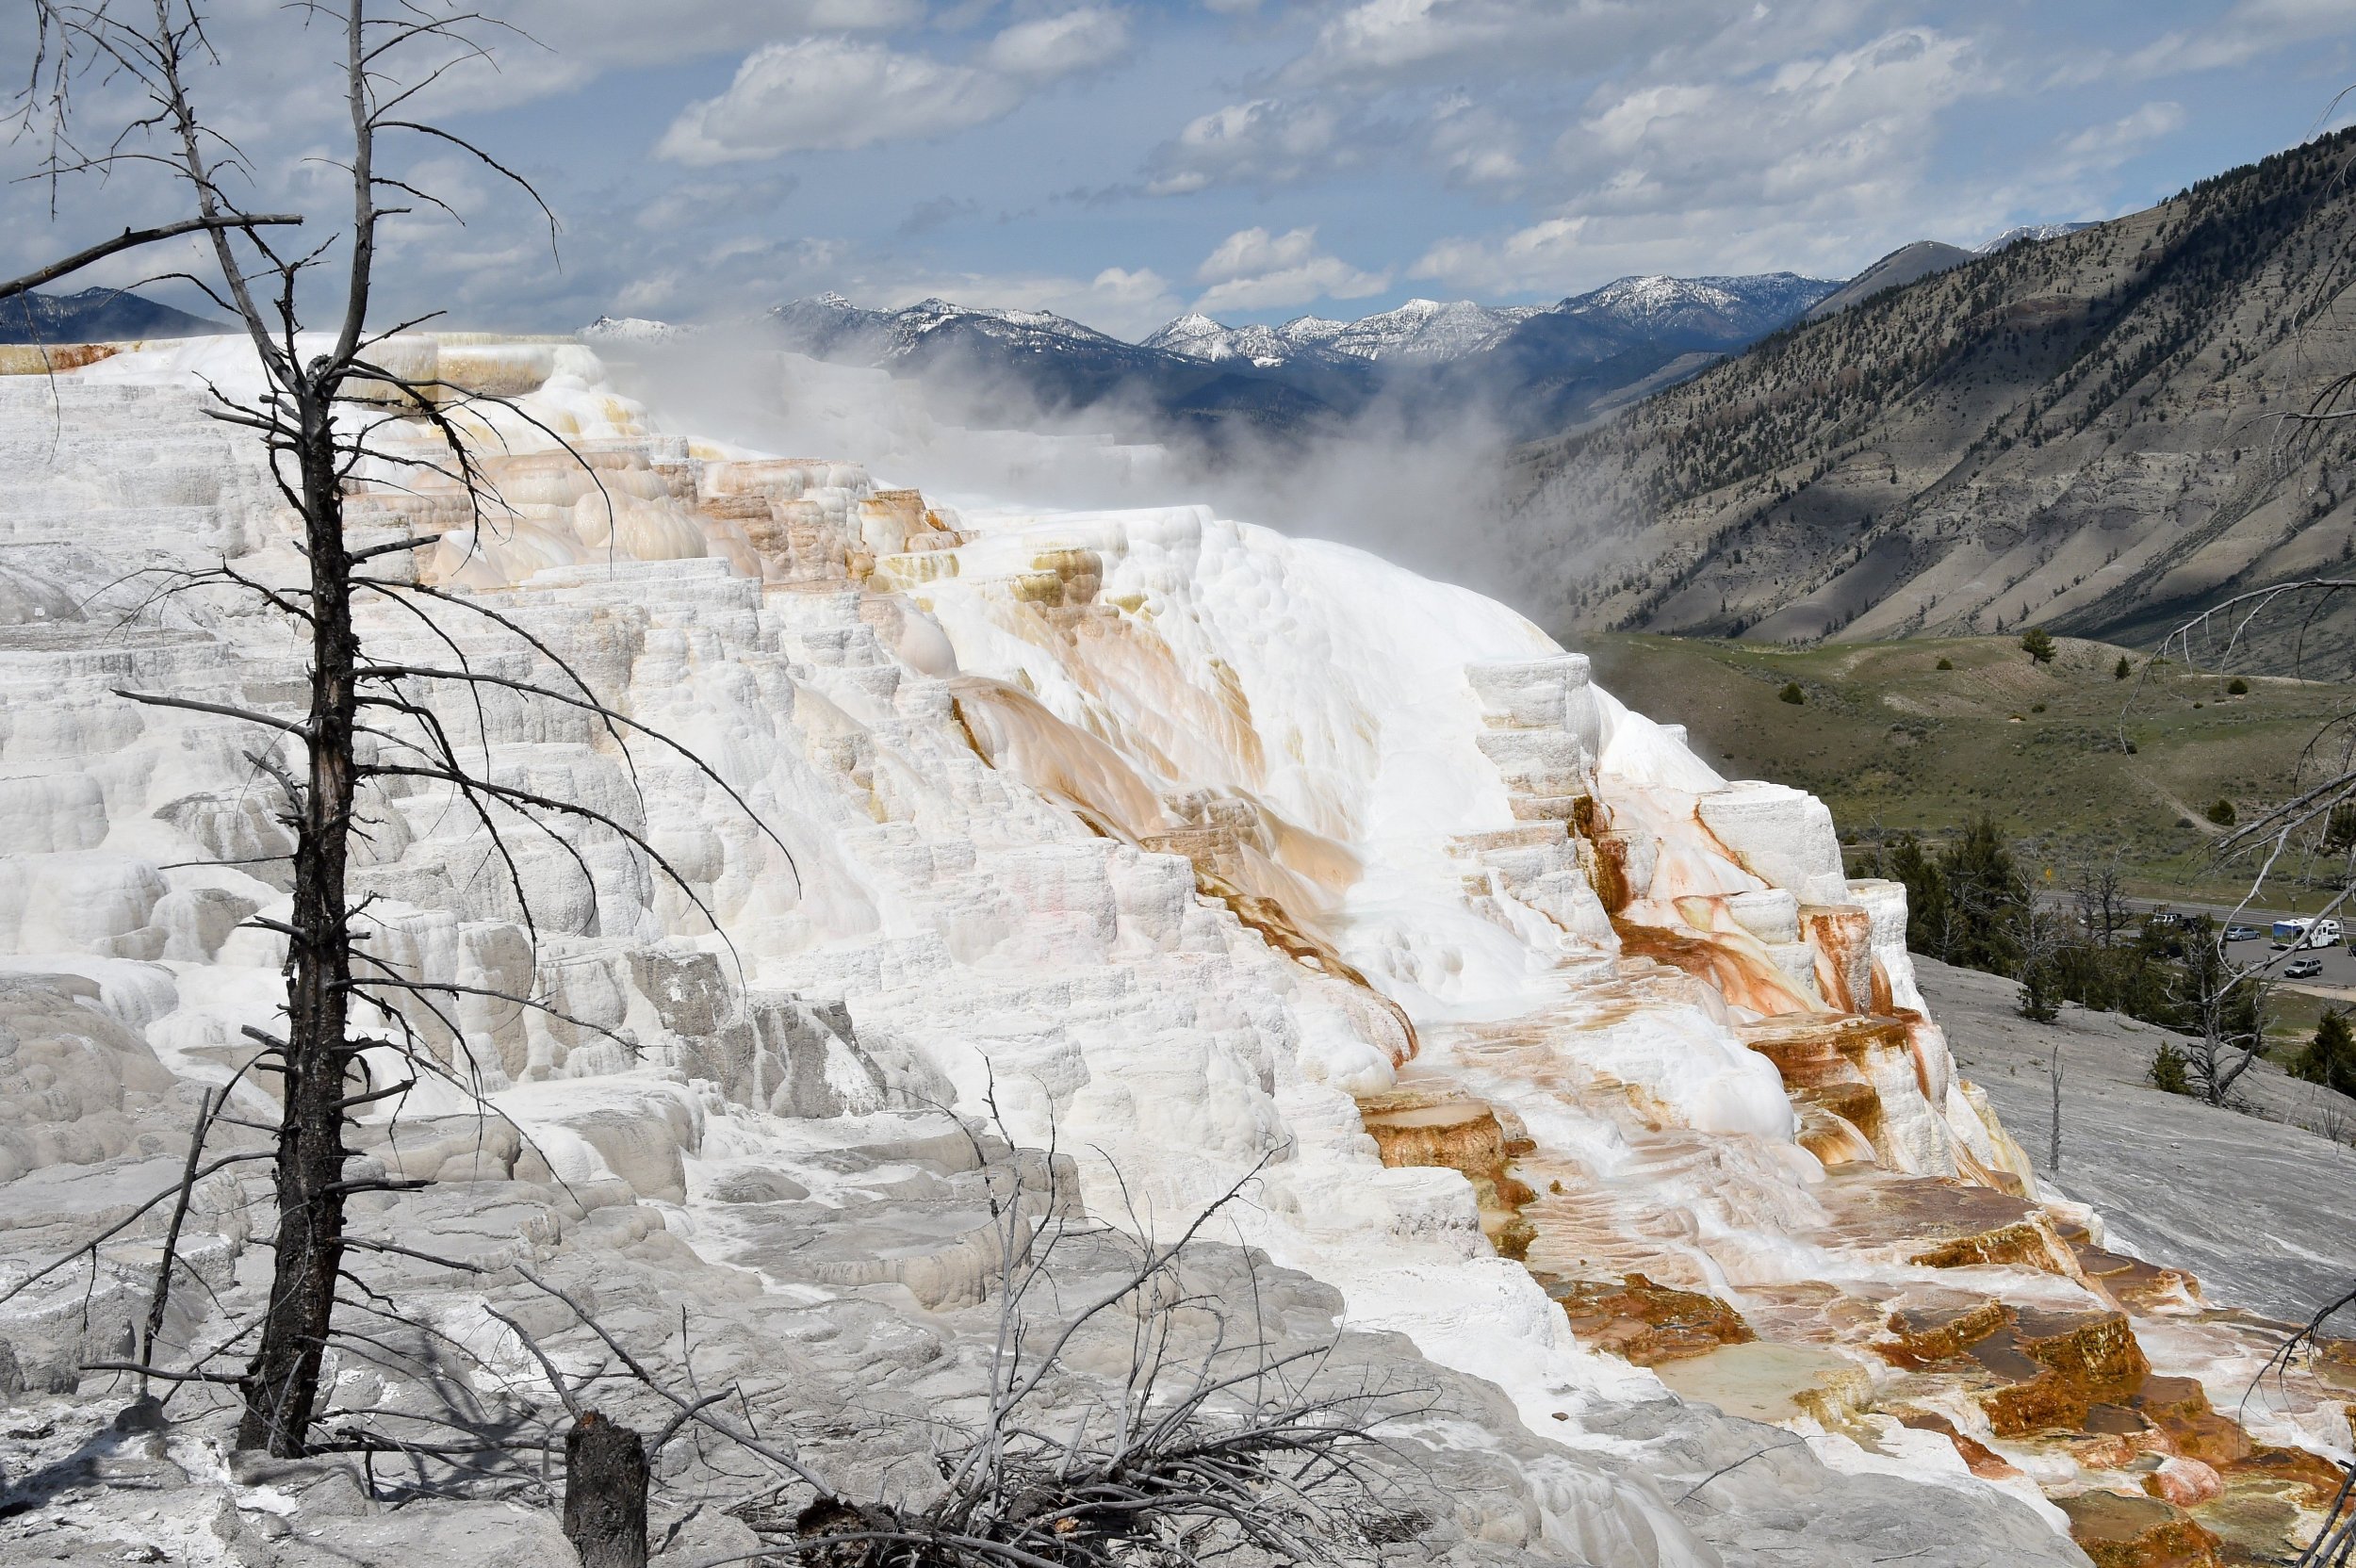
(1736, 975)
(2119, 1529)
(38, 359)
(2024, 1243)
(1646, 1323)
(1415, 1125)
(2180, 1406)
(2060, 1365)
(1920, 1335)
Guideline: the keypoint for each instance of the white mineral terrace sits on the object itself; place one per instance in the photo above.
(1197, 847)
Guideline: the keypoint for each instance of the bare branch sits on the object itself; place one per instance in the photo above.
(133, 239)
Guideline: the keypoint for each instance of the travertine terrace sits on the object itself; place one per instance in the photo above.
(1192, 846)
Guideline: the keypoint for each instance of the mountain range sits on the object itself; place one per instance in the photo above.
(1538, 368)
(2095, 432)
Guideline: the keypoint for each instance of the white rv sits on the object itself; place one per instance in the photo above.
(2294, 934)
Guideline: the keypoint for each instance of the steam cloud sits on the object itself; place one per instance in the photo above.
(1419, 488)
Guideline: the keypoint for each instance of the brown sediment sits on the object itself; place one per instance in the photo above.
(1646, 1323)
(1829, 1064)
(2059, 1366)
(42, 359)
(2294, 1468)
(2333, 1362)
(2119, 1530)
(2026, 1244)
(1610, 875)
(1833, 1138)
(2179, 1408)
(1843, 936)
(1065, 579)
(1920, 1335)
(2140, 1287)
(1417, 1125)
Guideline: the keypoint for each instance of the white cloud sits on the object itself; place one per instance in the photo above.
(1389, 33)
(1252, 269)
(585, 39)
(1057, 46)
(1410, 38)
(1772, 165)
(2252, 29)
(2107, 146)
(1262, 141)
(1474, 143)
(834, 94)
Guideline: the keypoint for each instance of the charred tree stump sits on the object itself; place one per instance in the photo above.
(605, 1494)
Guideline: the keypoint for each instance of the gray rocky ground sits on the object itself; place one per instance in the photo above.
(2251, 1199)
(837, 1275)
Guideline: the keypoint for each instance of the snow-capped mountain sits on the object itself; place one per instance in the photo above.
(1420, 329)
(1718, 312)
(2030, 231)
(832, 327)
(637, 329)
(1199, 337)
(1730, 307)
(95, 316)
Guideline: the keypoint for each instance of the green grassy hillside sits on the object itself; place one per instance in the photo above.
(1893, 743)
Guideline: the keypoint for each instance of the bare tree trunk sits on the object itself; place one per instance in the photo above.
(605, 1494)
(2053, 1159)
(281, 1384)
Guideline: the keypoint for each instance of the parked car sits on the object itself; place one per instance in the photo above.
(2302, 969)
(2242, 933)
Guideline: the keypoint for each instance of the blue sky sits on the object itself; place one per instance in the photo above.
(1258, 160)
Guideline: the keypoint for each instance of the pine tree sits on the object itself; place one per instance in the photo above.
(1985, 893)
(2330, 1058)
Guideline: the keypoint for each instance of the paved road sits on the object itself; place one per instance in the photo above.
(2339, 964)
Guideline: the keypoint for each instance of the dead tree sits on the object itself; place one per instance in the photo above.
(2100, 894)
(324, 415)
(2053, 1149)
(605, 1493)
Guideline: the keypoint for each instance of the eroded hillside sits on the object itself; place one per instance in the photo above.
(2086, 433)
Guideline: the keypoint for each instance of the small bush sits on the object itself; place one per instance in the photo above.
(2237, 687)
(2339, 832)
(2039, 1001)
(2037, 708)
(2121, 670)
(2221, 812)
(1946, 663)
(2168, 1069)
(2038, 644)
(1791, 693)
